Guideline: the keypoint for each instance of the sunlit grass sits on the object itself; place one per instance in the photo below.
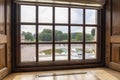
(49, 51)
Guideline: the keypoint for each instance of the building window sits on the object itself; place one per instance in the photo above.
(53, 33)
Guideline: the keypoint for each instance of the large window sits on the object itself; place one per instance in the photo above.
(52, 33)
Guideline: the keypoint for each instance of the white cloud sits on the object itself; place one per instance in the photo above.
(28, 13)
(28, 28)
(91, 16)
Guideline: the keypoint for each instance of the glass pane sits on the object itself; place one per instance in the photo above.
(76, 51)
(28, 33)
(76, 16)
(45, 33)
(90, 51)
(61, 52)
(91, 16)
(45, 14)
(91, 34)
(61, 33)
(28, 53)
(45, 52)
(28, 13)
(61, 15)
(76, 34)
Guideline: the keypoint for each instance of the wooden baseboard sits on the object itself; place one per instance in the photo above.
(115, 66)
(3, 72)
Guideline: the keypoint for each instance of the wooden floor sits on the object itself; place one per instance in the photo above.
(76, 74)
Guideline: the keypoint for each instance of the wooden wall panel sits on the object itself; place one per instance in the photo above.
(115, 66)
(1, 29)
(2, 56)
(113, 34)
(2, 35)
(108, 31)
(115, 50)
(2, 17)
(8, 33)
(115, 39)
(116, 53)
(3, 38)
(116, 17)
(5, 47)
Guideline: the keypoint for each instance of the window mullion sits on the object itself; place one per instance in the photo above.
(19, 32)
(69, 34)
(98, 35)
(83, 34)
(53, 34)
(37, 49)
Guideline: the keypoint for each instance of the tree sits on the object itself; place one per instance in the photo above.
(93, 32)
(65, 36)
(89, 37)
(28, 36)
(23, 33)
(79, 37)
(45, 35)
(59, 35)
(73, 35)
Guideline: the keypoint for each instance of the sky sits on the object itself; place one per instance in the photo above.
(28, 14)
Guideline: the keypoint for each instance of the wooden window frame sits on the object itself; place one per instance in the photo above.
(93, 62)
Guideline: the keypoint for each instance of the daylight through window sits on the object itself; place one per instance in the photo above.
(52, 33)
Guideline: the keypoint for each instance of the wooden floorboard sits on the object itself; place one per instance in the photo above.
(75, 74)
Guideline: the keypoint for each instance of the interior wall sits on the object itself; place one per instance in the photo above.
(113, 34)
(5, 47)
